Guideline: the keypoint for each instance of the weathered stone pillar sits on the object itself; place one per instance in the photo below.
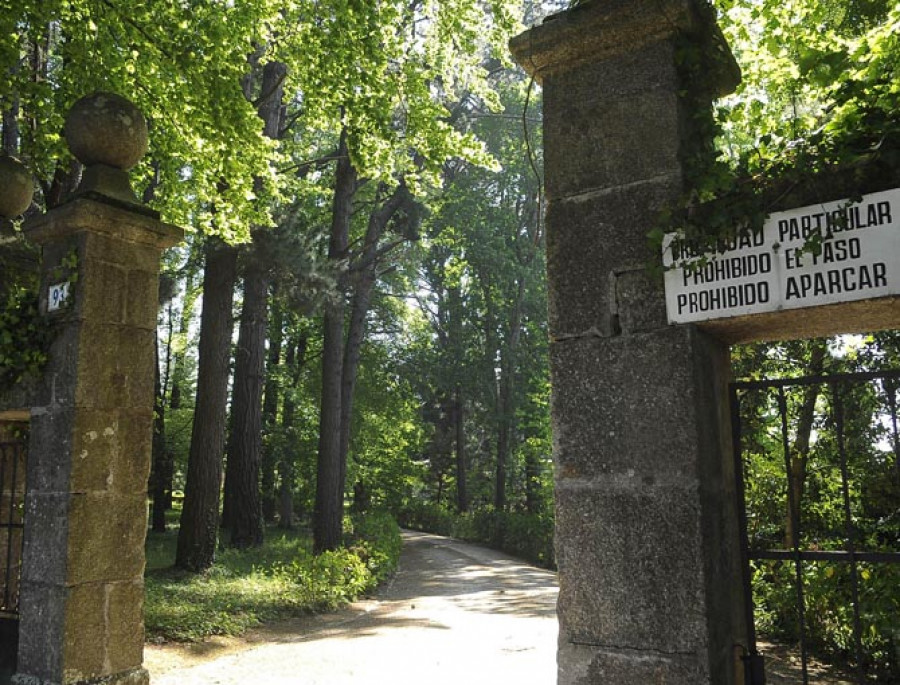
(89, 455)
(646, 535)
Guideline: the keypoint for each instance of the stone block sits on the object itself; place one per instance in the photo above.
(87, 625)
(49, 447)
(123, 253)
(101, 295)
(631, 568)
(46, 533)
(102, 219)
(106, 537)
(599, 31)
(111, 451)
(600, 133)
(624, 407)
(639, 301)
(116, 367)
(108, 643)
(54, 257)
(60, 373)
(591, 239)
(126, 625)
(587, 665)
(142, 301)
(42, 611)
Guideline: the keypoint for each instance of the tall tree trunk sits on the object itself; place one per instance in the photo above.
(462, 493)
(454, 317)
(245, 440)
(329, 507)
(243, 508)
(294, 360)
(799, 456)
(199, 529)
(270, 412)
(359, 310)
(506, 395)
(160, 473)
(176, 382)
(533, 503)
(178, 377)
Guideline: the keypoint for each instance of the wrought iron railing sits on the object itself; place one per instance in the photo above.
(846, 407)
(12, 524)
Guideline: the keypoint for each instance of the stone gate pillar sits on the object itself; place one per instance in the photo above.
(89, 453)
(646, 535)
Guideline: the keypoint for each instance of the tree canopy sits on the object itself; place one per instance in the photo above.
(819, 94)
(384, 70)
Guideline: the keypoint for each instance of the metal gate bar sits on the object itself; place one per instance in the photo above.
(12, 487)
(849, 530)
(794, 509)
(890, 390)
(851, 555)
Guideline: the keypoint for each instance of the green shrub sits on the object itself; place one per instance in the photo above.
(279, 579)
(376, 541)
(427, 517)
(527, 536)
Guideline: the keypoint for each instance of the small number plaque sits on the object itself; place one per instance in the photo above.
(57, 296)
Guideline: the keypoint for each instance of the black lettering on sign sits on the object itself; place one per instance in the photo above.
(837, 281)
(838, 250)
(724, 297)
(727, 268)
(846, 218)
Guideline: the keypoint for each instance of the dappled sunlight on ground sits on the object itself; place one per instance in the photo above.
(453, 613)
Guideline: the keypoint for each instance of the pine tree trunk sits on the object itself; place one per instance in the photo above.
(329, 507)
(245, 440)
(242, 513)
(199, 529)
(462, 494)
(270, 411)
(506, 396)
(533, 503)
(359, 310)
(161, 469)
(295, 359)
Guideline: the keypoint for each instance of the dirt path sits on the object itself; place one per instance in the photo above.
(454, 613)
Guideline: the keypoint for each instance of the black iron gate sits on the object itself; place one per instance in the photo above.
(818, 476)
(12, 515)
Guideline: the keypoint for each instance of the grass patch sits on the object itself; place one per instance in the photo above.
(249, 587)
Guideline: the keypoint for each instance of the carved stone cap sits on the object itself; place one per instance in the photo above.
(105, 128)
(599, 30)
(16, 187)
(86, 215)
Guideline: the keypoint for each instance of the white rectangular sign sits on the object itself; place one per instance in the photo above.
(57, 296)
(770, 271)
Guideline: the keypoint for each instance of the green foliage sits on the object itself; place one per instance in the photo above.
(873, 493)
(426, 516)
(280, 579)
(375, 539)
(387, 433)
(385, 71)
(24, 336)
(818, 95)
(524, 535)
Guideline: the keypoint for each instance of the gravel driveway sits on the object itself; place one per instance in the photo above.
(454, 614)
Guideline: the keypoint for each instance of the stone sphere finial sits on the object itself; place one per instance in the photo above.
(105, 128)
(16, 187)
